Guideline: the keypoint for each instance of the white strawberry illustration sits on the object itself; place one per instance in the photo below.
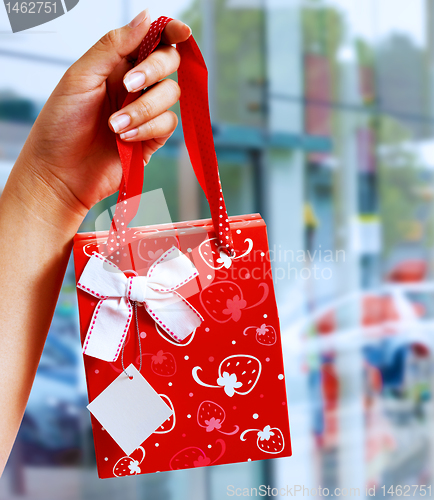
(89, 248)
(128, 466)
(270, 439)
(265, 334)
(238, 374)
(216, 259)
(211, 416)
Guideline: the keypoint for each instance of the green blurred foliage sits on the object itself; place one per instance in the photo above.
(323, 29)
(239, 61)
(400, 183)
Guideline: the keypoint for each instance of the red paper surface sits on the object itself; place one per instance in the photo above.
(240, 335)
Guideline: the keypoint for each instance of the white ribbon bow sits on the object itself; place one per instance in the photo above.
(113, 313)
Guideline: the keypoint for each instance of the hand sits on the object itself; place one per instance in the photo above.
(72, 146)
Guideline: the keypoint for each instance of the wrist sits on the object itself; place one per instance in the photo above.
(41, 193)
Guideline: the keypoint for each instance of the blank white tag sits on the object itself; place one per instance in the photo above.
(130, 410)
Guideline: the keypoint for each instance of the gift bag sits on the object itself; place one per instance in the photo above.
(179, 325)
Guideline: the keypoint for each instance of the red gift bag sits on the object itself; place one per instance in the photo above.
(179, 323)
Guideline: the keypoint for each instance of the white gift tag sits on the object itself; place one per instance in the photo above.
(130, 410)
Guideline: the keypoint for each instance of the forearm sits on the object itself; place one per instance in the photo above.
(36, 228)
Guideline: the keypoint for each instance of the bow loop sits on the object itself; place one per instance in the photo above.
(102, 279)
(172, 270)
(157, 291)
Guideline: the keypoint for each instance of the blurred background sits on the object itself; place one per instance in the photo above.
(323, 113)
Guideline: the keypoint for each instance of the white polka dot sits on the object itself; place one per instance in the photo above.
(106, 459)
(255, 416)
(157, 445)
(209, 277)
(280, 377)
(186, 357)
(238, 231)
(189, 250)
(262, 254)
(170, 384)
(210, 446)
(189, 416)
(265, 315)
(234, 342)
(249, 460)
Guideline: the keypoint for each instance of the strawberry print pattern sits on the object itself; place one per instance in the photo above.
(224, 300)
(150, 250)
(162, 363)
(210, 252)
(265, 334)
(269, 440)
(237, 374)
(211, 416)
(194, 457)
(128, 466)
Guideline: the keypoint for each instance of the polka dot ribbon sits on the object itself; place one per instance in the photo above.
(193, 80)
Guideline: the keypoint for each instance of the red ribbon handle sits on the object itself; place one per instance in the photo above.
(193, 81)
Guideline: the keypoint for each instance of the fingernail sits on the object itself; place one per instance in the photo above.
(138, 20)
(134, 81)
(120, 122)
(189, 29)
(130, 134)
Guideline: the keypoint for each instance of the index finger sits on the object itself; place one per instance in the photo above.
(175, 32)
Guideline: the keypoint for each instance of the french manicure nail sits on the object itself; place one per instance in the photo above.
(130, 134)
(138, 20)
(120, 122)
(134, 81)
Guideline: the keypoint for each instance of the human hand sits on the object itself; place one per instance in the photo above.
(72, 146)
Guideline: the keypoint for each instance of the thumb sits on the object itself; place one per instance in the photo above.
(94, 67)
